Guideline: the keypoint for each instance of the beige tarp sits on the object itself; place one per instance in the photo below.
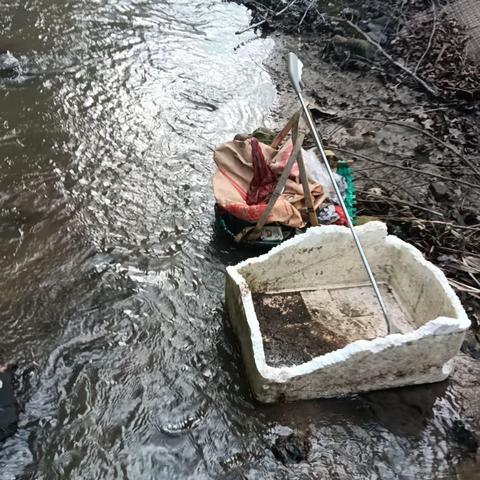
(232, 179)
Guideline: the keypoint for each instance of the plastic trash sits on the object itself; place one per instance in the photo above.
(317, 172)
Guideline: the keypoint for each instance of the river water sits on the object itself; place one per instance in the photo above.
(112, 279)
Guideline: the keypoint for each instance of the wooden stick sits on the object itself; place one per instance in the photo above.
(420, 130)
(284, 132)
(432, 33)
(312, 216)
(442, 51)
(254, 232)
(281, 183)
(294, 120)
(408, 169)
(306, 11)
(266, 18)
(254, 25)
(462, 287)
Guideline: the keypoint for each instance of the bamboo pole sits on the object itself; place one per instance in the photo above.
(284, 132)
(312, 216)
(254, 232)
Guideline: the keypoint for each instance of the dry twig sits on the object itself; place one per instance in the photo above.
(474, 228)
(400, 202)
(306, 11)
(429, 45)
(467, 162)
(408, 169)
(462, 287)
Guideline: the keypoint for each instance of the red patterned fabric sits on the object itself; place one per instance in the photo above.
(264, 180)
(342, 219)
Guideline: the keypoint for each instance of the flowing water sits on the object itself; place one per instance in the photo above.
(111, 280)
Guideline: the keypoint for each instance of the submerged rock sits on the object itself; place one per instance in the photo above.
(8, 404)
(9, 65)
(292, 449)
(464, 436)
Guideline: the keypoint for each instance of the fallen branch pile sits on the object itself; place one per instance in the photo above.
(435, 48)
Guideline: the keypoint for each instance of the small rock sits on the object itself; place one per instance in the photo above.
(376, 191)
(355, 46)
(439, 191)
(422, 153)
(471, 345)
(359, 142)
(376, 31)
(321, 112)
(351, 13)
(470, 215)
(241, 137)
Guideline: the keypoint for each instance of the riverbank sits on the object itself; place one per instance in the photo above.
(416, 155)
(416, 151)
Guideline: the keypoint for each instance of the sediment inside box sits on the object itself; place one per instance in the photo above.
(300, 325)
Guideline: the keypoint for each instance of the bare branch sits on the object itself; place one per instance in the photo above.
(467, 162)
(434, 26)
(408, 169)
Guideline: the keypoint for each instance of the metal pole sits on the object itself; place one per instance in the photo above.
(313, 129)
(295, 67)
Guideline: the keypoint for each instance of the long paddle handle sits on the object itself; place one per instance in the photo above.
(294, 69)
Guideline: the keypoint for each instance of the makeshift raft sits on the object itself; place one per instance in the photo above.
(309, 325)
(268, 191)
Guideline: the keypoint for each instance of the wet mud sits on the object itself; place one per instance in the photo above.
(291, 335)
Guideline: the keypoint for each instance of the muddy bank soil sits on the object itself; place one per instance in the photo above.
(417, 154)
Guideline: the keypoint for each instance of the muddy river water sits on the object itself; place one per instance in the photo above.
(111, 281)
